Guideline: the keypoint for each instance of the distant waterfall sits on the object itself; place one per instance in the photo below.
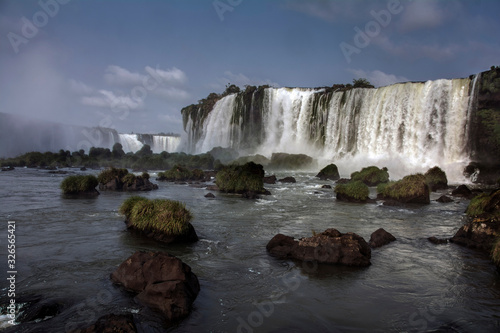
(417, 125)
(158, 143)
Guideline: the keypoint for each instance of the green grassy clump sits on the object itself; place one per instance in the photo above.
(129, 179)
(241, 178)
(181, 173)
(329, 172)
(409, 187)
(161, 215)
(477, 205)
(109, 174)
(284, 161)
(78, 184)
(436, 179)
(371, 175)
(356, 190)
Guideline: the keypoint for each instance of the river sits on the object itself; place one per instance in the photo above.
(67, 248)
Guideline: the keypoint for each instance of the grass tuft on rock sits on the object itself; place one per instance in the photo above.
(412, 188)
(112, 173)
(356, 190)
(477, 205)
(241, 178)
(181, 173)
(162, 215)
(436, 179)
(79, 184)
(371, 176)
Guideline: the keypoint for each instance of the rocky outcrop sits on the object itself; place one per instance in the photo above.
(380, 238)
(161, 282)
(244, 179)
(329, 247)
(354, 191)
(121, 180)
(436, 179)
(284, 161)
(330, 172)
(482, 229)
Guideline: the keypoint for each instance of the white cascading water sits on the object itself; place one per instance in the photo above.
(408, 127)
(130, 143)
(165, 143)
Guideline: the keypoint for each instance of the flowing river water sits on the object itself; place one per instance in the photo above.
(67, 248)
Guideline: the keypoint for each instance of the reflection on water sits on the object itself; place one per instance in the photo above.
(67, 248)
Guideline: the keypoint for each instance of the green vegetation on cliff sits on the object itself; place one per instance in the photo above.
(166, 216)
(241, 178)
(79, 184)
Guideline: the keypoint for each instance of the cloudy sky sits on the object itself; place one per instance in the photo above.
(132, 65)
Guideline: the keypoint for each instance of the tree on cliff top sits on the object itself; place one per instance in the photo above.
(362, 83)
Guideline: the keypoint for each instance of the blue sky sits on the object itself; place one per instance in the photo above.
(132, 65)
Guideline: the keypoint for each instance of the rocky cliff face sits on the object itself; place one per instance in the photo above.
(484, 137)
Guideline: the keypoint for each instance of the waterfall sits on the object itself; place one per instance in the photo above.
(408, 127)
(165, 143)
(130, 143)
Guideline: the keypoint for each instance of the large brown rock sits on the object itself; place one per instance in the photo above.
(161, 281)
(329, 247)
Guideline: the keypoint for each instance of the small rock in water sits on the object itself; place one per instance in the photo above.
(437, 241)
(288, 180)
(326, 186)
(209, 195)
(380, 238)
(444, 199)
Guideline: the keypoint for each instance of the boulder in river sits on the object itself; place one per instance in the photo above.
(328, 247)
(287, 180)
(412, 189)
(330, 172)
(161, 282)
(380, 238)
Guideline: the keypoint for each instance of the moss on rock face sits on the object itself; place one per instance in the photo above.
(329, 172)
(371, 176)
(477, 205)
(110, 174)
(436, 179)
(410, 189)
(355, 191)
(160, 217)
(80, 185)
(241, 178)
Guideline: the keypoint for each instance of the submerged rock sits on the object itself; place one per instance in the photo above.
(329, 247)
(444, 199)
(161, 282)
(288, 180)
(270, 179)
(380, 238)
(462, 191)
(437, 241)
(327, 186)
(111, 323)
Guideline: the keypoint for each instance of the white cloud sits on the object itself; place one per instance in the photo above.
(108, 99)
(80, 88)
(378, 78)
(172, 93)
(171, 76)
(422, 14)
(240, 80)
(121, 76)
(326, 10)
(170, 119)
(412, 50)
